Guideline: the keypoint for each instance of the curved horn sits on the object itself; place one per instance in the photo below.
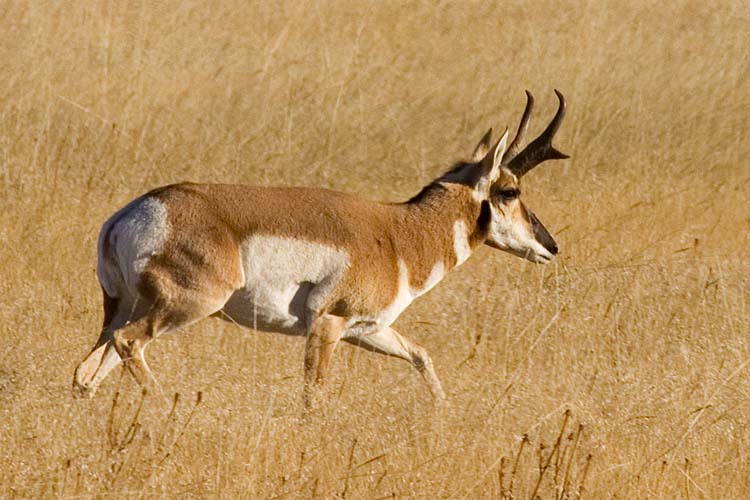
(541, 148)
(515, 146)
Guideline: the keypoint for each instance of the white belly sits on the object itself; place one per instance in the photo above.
(265, 309)
(280, 273)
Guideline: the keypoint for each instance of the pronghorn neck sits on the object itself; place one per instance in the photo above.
(446, 223)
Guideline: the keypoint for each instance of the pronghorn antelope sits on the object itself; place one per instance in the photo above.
(310, 262)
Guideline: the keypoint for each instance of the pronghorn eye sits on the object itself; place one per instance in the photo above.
(509, 194)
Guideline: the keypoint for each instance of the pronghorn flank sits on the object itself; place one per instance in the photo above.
(310, 262)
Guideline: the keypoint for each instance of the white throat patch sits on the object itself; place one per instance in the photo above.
(405, 293)
(461, 246)
(436, 274)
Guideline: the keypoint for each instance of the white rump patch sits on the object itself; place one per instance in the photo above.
(461, 246)
(134, 234)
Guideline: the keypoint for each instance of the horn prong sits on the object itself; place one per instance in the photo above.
(540, 149)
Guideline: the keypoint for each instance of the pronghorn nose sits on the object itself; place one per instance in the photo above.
(541, 234)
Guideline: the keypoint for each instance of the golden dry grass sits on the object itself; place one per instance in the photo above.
(640, 327)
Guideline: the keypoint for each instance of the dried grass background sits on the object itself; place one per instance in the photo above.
(639, 329)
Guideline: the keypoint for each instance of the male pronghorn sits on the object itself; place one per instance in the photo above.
(311, 262)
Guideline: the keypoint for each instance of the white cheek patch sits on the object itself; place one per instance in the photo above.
(516, 237)
(500, 231)
(461, 247)
(523, 235)
(133, 235)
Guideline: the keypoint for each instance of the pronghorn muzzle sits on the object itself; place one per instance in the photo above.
(541, 234)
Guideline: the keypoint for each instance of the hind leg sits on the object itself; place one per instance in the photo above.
(102, 358)
(129, 343)
(174, 306)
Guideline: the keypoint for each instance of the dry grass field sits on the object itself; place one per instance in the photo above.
(625, 362)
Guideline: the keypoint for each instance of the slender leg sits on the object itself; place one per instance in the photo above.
(102, 357)
(173, 290)
(322, 339)
(123, 340)
(129, 342)
(388, 341)
(110, 360)
(163, 316)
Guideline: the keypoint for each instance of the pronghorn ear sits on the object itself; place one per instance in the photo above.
(497, 157)
(482, 148)
(490, 166)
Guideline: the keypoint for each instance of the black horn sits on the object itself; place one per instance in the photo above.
(541, 148)
(515, 146)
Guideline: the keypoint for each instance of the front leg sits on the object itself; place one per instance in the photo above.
(322, 338)
(388, 341)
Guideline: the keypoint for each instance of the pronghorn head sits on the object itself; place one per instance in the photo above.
(513, 227)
